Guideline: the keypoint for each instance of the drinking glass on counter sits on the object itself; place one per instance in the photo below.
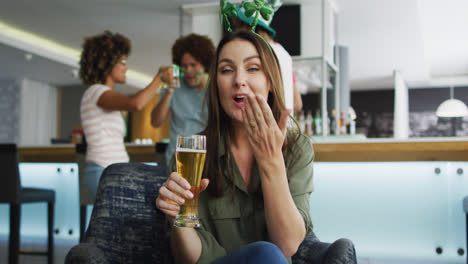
(190, 157)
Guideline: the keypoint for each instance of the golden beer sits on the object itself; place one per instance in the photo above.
(190, 163)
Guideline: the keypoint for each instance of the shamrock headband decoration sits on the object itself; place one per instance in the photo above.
(261, 8)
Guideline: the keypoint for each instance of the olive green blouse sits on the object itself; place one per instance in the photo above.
(238, 218)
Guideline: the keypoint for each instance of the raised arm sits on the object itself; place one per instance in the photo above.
(285, 224)
(112, 100)
(161, 110)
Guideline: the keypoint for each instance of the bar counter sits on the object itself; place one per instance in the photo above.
(66, 153)
(420, 149)
(397, 200)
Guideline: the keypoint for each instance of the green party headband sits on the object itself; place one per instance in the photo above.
(258, 7)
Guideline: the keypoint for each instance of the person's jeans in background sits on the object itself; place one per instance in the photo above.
(93, 173)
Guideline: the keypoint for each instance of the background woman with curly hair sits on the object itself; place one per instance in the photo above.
(103, 64)
(193, 53)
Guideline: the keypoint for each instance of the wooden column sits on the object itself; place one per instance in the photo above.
(141, 124)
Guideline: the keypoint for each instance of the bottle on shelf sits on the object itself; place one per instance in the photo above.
(318, 123)
(302, 122)
(342, 124)
(308, 124)
(333, 122)
(352, 124)
(352, 127)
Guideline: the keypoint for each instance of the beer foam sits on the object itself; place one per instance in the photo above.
(190, 150)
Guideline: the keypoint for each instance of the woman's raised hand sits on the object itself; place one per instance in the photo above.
(266, 136)
(173, 193)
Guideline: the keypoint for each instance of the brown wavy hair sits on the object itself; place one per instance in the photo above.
(100, 54)
(201, 48)
(219, 125)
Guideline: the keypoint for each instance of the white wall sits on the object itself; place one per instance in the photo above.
(208, 24)
(311, 29)
(9, 111)
(203, 19)
(382, 36)
(37, 113)
(29, 112)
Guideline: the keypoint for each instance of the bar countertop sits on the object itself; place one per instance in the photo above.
(334, 150)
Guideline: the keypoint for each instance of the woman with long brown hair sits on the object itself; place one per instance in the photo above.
(258, 169)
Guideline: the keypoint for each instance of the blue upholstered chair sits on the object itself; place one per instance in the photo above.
(126, 227)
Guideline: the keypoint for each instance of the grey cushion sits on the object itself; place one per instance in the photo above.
(86, 253)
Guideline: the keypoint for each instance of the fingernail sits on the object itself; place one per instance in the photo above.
(259, 96)
(187, 186)
(181, 201)
(189, 195)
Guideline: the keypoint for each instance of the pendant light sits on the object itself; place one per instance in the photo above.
(452, 107)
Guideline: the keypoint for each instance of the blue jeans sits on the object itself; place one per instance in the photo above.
(93, 173)
(254, 253)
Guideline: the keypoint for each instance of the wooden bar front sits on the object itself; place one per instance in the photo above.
(333, 152)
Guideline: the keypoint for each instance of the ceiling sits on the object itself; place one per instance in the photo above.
(423, 39)
(19, 64)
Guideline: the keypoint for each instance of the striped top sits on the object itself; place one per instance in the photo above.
(104, 129)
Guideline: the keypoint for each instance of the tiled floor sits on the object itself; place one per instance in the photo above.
(61, 249)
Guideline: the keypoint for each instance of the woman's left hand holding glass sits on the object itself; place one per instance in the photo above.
(266, 136)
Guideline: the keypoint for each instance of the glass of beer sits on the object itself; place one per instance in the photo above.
(175, 80)
(175, 83)
(190, 157)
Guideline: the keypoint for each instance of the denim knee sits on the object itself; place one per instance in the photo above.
(255, 253)
(265, 252)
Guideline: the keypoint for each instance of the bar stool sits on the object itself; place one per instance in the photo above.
(85, 198)
(12, 193)
(160, 150)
